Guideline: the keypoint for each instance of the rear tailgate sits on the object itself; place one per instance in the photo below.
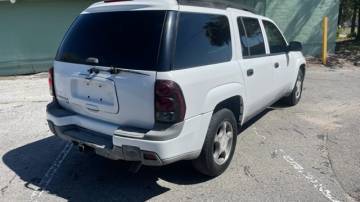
(124, 99)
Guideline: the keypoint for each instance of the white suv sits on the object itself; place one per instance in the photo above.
(160, 81)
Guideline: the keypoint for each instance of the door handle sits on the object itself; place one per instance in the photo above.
(277, 65)
(250, 72)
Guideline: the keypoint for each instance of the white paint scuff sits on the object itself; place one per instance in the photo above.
(49, 175)
(309, 177)
(263, 137)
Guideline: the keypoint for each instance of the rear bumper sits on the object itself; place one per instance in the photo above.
(151, 147)
(102, 145)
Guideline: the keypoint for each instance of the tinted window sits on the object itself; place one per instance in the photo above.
(254, 40)
(277, 42)
(202, 39)
(244, 47)
(119, 39)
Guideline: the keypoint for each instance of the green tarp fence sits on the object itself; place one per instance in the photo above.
(31, 30)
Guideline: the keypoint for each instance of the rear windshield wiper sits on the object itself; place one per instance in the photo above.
(114, 70)
(111, 70)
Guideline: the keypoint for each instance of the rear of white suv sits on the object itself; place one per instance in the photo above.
(108, 91)
(156, 82)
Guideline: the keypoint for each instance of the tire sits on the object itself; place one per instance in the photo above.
(295, 96)
(219, 147)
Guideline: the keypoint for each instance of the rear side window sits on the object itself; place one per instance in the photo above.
(251, 37)
(244, 46)
(277, 42)
(127, 39)
(202, 39)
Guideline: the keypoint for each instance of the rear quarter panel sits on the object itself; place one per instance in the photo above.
(205, 87)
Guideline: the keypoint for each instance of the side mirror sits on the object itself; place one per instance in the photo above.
(295, 46)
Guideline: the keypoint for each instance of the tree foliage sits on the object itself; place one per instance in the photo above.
(349, 13)
(347, 9)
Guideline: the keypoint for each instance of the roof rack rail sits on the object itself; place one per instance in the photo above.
(220, 4)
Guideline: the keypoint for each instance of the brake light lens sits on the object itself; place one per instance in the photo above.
(51, 81)
(170, 104)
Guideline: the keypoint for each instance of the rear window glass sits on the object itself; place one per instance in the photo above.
(254, 39)
(202, 39)
(127, 39)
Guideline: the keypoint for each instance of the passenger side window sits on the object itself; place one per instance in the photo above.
(251, 37)
(277, 42)
(244, 47)
(202, 39)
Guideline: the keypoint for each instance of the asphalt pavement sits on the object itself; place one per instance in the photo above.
(310, 152)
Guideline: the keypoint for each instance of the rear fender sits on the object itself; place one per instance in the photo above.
(221, 93)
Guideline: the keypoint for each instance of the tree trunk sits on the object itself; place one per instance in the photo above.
(340, 14)
(358, 25)
(353, 22)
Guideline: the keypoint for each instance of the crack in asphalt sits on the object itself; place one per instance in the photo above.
(30, 101)
(328, 156)
(299, 132)
(4, 188)
(309, 177)
(334, 172)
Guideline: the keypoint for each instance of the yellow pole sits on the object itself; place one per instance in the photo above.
(325, 40)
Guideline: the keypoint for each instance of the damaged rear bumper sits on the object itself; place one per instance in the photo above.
(151, 147)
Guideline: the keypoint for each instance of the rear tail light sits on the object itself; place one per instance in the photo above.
(51, 81)
(170, 104)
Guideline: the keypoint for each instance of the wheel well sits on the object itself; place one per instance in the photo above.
(234, 104)
(302, 68)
